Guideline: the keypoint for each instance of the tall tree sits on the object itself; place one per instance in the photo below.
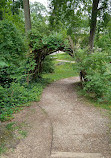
(73, 14)
(27, 15)
(93, 22)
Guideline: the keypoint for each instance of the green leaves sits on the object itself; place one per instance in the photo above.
(17, 95)
(12, 51)
(53, 41)
(98, 73)
(3, 64)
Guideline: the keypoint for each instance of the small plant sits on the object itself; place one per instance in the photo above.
(23, 133)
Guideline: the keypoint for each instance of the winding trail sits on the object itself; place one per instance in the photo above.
(64, 126)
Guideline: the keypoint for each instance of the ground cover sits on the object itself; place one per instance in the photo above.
(89, 98)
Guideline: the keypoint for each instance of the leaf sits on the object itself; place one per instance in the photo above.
(3, 64)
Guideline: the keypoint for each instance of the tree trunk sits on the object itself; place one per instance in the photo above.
(13, 8)
(27, 15)
(93, 23)
(1, 15)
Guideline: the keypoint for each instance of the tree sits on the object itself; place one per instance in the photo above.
(43, 45)
(93, 22)
(103, 14)
(75, 14)
(38, 9)
(27, 15)
(16, 5)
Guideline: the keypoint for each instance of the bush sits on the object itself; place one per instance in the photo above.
(14, 72)
(48, 65)
(12, 51)
(104, 42)
(98, 69)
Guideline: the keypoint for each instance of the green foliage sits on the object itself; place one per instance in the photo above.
(18, 21)
(35, 39)
(51, 41)
(15, 65)
(12, 51)
(12, 11)
(104, 42)
(38, 9)
(15, 97)
(48, 65)
(39, 18)
(43, 45)
(54, 41)
(98, 69)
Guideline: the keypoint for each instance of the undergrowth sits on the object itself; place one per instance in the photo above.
(89, 97)
(17, 96)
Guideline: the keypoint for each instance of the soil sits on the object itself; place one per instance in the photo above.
(62, 124)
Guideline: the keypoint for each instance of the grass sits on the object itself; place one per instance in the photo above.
(10, 135)
(62, 70)
(64, 56)
(90, 99)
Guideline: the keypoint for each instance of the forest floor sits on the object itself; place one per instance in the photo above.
(63, 125)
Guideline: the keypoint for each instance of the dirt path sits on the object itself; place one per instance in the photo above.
(68, 127)
(65, 61)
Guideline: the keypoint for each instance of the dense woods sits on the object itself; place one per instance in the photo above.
(29, 33)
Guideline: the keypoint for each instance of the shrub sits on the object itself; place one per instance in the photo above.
(12, 51)
(14, 71)
(98, 69)
(48, 65)
(104, 43)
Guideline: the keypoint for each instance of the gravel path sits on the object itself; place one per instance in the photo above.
(65, 61)
(67, 127)
(77, 127)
